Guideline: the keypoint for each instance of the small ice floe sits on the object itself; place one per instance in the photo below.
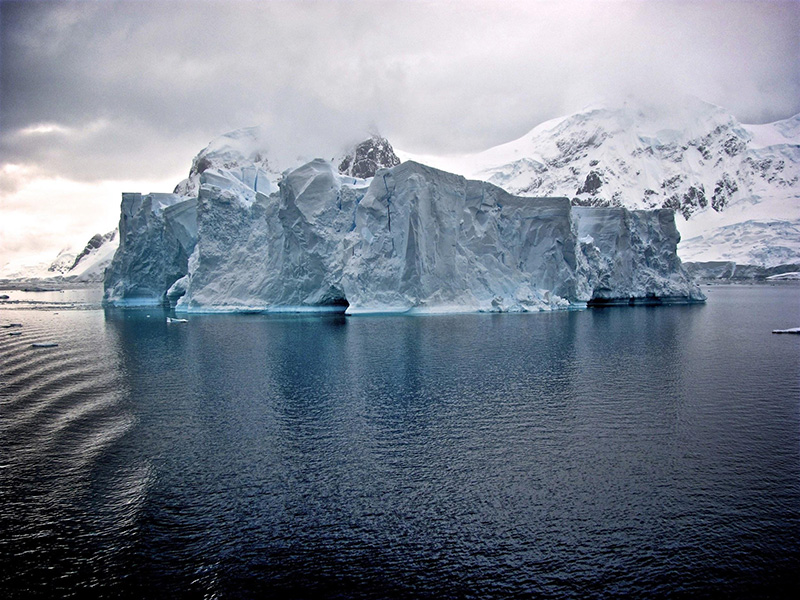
(10, 325)
(792, 330)
(44, 345)
(174, 320)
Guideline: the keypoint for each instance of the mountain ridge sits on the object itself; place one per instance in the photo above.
(698, 160)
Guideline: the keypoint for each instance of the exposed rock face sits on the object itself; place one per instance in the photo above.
(413, 239)
(367, 157)
(92, 245)
(592, 184)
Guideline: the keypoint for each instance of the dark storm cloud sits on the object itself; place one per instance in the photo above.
(139, 87)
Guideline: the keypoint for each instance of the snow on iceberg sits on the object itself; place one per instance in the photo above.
(408, 238)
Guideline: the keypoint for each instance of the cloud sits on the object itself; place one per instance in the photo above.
(438, 74)
(42, 215)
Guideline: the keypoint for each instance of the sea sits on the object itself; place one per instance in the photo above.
(648, 452)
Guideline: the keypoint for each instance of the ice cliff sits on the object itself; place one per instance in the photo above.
(366, 234)
(157, 234)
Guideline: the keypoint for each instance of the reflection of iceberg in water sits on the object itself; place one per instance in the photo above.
(266, 450)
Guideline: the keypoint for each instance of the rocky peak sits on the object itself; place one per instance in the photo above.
(92, 245)
(366, 158)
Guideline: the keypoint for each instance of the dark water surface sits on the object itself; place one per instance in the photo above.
(652, 452)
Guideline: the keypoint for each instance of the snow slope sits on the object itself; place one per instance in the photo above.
(728, 182)
(79, 265)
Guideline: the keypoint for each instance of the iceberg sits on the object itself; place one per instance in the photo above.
(632, 256)
(157, 235)
(382, 238)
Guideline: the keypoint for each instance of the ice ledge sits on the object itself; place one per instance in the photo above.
(254, 309)
(400, 310)
(646, 301)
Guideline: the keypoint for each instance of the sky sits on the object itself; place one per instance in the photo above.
(97, 98)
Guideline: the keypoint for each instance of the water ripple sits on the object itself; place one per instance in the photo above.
(608, 453)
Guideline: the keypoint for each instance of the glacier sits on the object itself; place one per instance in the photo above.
(364, 234)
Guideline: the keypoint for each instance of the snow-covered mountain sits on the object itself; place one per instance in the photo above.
(364, 160)
(85, 264)
(735, 187)
(91, 262)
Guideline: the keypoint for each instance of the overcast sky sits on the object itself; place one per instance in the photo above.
(97, 98)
